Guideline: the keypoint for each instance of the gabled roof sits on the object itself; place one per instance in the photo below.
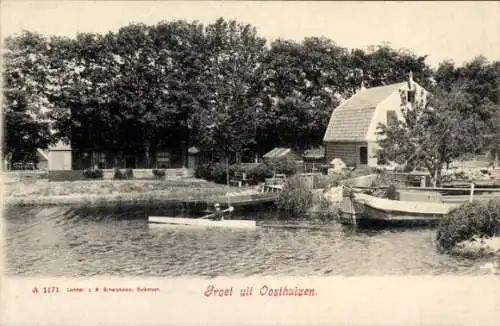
(42, 156)
(350, 120)
(277, 152)
(60, 146)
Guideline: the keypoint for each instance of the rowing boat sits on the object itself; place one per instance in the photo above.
(201, 222)
(205, 221)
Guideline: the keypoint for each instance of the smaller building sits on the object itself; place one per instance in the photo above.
(289, 160)
(43, 159)
(314, 159)
(281, 153)
(193, 157)
(59, 157)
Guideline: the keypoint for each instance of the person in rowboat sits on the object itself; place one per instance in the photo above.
(218, 215)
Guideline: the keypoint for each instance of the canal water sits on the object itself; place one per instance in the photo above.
(64, 241)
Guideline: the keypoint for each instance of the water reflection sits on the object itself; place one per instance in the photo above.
(81, 242)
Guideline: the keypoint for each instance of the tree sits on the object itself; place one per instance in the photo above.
(494, 139)
(434, 130)
(302, 84)
(382, 65)
(85, 70)
(181, 90)
(234, 53)
(479, 79)
(25, 105)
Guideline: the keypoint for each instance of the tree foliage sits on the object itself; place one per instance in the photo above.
(219, 87)
(26, 107)
(434, 130)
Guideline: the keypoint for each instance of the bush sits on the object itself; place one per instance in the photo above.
(257, 173)
(119, 175)
(326, 209)
(326, 181)
(476, 219)
(201, 171)
(296, 197)
(284, 166)
(215, 172)
(129, 174)
(159, 174)
(92, 173)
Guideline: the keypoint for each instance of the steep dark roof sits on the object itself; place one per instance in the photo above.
(350, 121)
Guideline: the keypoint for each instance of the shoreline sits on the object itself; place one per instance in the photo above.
(166, 197)
(478, 247)
(103, 192)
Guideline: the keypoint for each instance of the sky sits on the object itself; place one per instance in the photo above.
(457, 31)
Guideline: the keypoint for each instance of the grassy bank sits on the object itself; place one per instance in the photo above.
(472, 229)
(116, 191)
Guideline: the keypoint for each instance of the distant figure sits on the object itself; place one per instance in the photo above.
(218, 215)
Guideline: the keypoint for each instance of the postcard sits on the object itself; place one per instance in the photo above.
(250, 163)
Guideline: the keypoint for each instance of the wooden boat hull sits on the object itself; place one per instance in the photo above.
(364, 209)
(199, 222)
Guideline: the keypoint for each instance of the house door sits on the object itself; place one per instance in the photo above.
(363, 155)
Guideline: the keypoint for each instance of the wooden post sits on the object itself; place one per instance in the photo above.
(227, 171)
(471, 198)
(353, 209)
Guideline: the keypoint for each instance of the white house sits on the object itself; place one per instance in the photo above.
(351, 134)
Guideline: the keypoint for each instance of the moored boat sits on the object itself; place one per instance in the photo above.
(361, 208)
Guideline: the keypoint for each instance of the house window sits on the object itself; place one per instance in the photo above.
(163, 160)
(410, 95)
(363, 155)
(99, 160)
(392, 117)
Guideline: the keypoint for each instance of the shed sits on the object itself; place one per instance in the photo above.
(59, 157)
(314, 158)
(193, 157)
(278, 153)
(288, 156)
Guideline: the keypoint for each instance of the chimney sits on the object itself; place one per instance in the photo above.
(410, 80)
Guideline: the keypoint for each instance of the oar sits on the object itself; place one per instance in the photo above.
(230, 210)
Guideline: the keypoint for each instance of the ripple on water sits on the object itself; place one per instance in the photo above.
(57, 241)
